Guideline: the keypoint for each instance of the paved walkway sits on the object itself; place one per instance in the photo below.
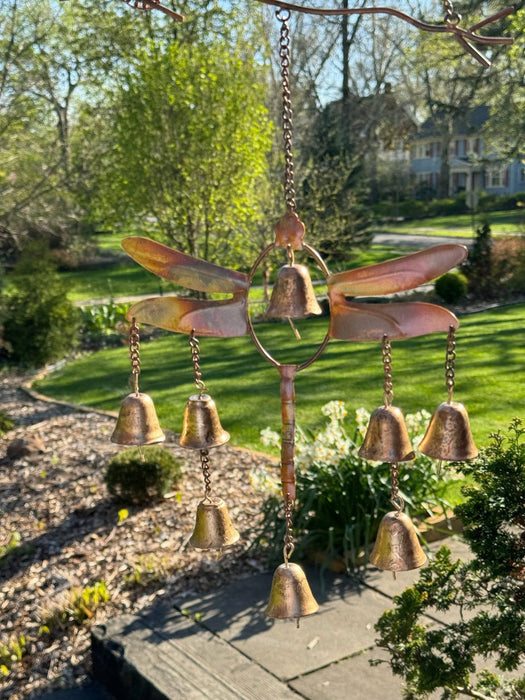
(221, 646)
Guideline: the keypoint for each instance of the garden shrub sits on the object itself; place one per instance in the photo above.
(491, 587)
(142, 474)
(40, 324)
(342, 498)
(452, 287)
(6, 424)
(508, 254)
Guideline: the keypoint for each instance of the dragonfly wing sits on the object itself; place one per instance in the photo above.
(183, 269)
(354, 321)
(400, 274)
(223, 318)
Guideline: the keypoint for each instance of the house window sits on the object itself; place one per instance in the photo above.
(460, 147)
(494, 178)
(429, 150)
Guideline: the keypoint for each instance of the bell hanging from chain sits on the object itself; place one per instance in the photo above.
(448, 436)
(397, 545)
(201, 427)
(386, 438)
(293, 294)
(213, 527)
(137, 422)
(290, 597)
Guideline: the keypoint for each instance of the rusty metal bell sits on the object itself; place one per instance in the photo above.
(386, 438)
(213, 527)
(448, 436)
(293, 294)
(137, 422)
(290, 597)
(397, 545)
(201, 427)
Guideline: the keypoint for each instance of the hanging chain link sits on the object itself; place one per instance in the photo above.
(134, 353)
(195, 358)
(284, 53)
(205, 466)
(451, 16)
(388, 390)
(395, 499)
(288, 535)
(450, 362)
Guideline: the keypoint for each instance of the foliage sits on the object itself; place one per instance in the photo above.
(39, 323)
(491, 587)
(102, 320)
(187, 135)
(141, 475)
(11, 652)
(6, 424)
(508, 254)
(341, 497)
(451, 287)
(80, 606)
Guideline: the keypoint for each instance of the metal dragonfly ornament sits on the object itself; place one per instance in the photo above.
(397, 547)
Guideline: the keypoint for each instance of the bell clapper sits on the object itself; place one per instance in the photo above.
(294, 328)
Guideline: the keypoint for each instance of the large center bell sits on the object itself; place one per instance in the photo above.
(386, 438)
(293, 294)
(201, 427)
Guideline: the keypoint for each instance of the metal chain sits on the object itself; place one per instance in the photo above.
(195, 358)
(288, 536)
(134, 353)
(450, 362)
(284, 53)
(451, 16)
(205, 466)
(388, 392)
(396, 500)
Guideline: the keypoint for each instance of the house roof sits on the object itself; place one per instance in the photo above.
(467, 122)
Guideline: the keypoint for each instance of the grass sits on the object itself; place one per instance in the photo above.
(461, 224)
(246, 388)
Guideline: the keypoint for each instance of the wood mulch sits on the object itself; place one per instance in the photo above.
(66, 535)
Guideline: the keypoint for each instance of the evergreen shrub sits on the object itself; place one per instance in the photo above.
(142, 475)
(452, 287)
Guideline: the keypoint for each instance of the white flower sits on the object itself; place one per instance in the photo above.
(270, 438)
(335, 410)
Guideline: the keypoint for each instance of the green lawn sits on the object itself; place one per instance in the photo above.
(489, 375)
(461, 224)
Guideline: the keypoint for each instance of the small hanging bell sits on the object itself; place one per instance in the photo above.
(397, 545)
(137, 422)
(293, 294)
(448, 436)
(201, 427)
(213, 527)
(386, 438)
(290, 597)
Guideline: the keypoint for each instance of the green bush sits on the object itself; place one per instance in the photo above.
(451, 287)
(40, 325)
(6, 424)
(141, 475)
(490, 586)
(342, 498)
(103, 319)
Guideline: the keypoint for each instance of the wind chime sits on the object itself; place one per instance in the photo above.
(448, 436)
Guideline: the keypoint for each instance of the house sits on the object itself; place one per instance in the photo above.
(469, 166)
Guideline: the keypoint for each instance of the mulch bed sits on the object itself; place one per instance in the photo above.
(66, 535)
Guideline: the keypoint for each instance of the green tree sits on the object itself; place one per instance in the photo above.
(189, 135)
(490, 588)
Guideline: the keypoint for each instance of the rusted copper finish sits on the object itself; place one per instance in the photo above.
(397, 545)
(386, 438)
(291, 596)
(288, 373)
(137, 422)
(153, 5)
(201, 427)
(289, 231)
(213, 527)
(293, 294)
(448, 436)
